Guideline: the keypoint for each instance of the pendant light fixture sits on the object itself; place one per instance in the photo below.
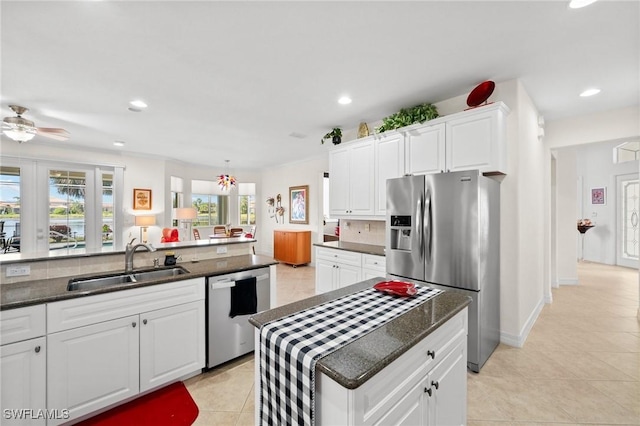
(226, 181)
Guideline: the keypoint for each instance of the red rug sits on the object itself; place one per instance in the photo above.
(171, 406)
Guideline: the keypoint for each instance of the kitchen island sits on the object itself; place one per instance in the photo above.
(411, 369)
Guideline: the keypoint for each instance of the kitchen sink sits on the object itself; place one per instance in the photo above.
(93, 283)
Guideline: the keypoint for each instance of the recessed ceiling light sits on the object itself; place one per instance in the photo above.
(345, 100)
(589, 92)
(138, 104)
(118, 143)
(577, 4)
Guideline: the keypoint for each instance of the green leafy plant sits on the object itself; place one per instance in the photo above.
(335, 132)
(408, 116)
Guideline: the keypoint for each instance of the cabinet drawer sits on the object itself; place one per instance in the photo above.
(22, 324)
(340, 256)
(373, 262)
(83, 311)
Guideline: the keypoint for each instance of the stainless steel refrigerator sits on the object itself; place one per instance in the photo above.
(444, 230)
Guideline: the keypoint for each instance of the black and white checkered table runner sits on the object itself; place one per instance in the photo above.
(291, 346)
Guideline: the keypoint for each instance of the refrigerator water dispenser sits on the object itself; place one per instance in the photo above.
(400, 233)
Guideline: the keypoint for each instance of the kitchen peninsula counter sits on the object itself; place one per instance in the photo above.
(355, 247)
(27, 293)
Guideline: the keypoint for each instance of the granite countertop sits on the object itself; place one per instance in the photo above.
(17, 295)
(357, 247)
(357, 362)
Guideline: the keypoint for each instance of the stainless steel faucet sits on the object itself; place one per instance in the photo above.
(130, 250)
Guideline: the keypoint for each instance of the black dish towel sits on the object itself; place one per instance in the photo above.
(244, 299)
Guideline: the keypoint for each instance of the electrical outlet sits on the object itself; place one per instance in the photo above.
(18, 271)
(221, 250)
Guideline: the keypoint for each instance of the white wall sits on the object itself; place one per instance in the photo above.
(566, 196)
(277, 180)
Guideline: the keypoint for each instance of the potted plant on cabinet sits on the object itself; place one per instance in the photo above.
(335, 135)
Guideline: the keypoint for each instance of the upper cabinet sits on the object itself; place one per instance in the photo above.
(351, 180)
(476, 139)
(468, 140)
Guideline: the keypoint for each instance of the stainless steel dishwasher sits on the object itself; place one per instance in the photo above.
(228, 338)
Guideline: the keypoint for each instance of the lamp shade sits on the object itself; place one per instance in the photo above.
(185, 213)
(145, 220)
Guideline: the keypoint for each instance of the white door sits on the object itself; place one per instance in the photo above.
(389, 164)
(361, 179)
(448, 383)
(92, 367)
(348, 275)
(172, 343)
(338, 182)
(628, 220)
(23, 381)
(425, 150)
(324, 276)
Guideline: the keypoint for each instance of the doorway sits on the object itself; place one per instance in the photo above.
(628, 220)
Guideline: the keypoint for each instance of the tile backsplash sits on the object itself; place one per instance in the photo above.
(362, 231)
(71, 266)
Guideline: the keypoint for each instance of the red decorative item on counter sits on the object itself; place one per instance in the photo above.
(397, 288)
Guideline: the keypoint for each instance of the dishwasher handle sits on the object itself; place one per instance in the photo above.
(221, 284)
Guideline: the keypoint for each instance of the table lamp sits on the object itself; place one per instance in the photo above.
(144, 222)
(186, 215)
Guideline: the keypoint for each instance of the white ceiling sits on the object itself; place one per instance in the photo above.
(233, 80)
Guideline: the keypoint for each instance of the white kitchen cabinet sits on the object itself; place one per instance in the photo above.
(476, 139)
(23, 380)
(161, 333)
(425, 386)
(425, 149)
(373, 266)
(351, 180)
(92, 367)
(336, 269)
(23, 356)
(105, 348)
(390, 160)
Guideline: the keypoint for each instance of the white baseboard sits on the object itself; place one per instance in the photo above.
(519, 339)
(568, 281)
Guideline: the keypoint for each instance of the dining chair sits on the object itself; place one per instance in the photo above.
(219, 230)
(236, 232)
(196, 234)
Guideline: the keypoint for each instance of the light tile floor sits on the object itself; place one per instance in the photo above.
(579, 365)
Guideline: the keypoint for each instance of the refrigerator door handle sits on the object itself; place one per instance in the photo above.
(427, 226)
(418, 229)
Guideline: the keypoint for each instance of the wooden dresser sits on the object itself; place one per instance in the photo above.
(292, 247)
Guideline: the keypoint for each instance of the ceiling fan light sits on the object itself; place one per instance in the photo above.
(19, 135)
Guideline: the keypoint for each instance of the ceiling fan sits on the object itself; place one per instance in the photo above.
(22, 130)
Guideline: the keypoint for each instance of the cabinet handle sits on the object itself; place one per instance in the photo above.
(435, 384)
(38, 349)
(144, 321)
(133, 324)
(432, 354)
(428, 390)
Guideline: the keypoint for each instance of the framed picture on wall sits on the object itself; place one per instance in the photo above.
(141, 199)
(599, 196)
(299, 204)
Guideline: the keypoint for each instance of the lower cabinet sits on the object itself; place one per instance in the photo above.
(23, 362)
(98, 363)
(339, 268)
(292, 247)
(427, 385)
(336, 269)
(23, 381)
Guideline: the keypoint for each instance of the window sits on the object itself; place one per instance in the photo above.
(9, 208)
(71, 206)
(247, 203)
(212, 209)
(247, 209)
